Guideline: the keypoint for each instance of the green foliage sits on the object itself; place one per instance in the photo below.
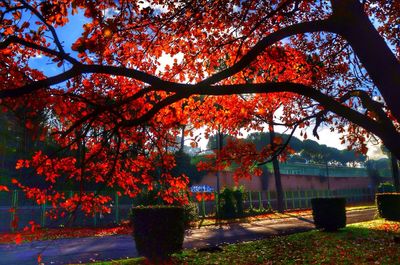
(309, 150)
(380, 167)
(212, 141)
(388, 205)
(262, 139)
(231, 201)
(158, 231)
(386, 187)
(258, 211)
(227, 209)
(185, 166)
(191, 214)
(329, 213)
(238, 196)
(147, 198)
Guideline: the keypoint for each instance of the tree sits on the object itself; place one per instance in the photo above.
(347, 23)
(113, 101)
(184, 166)
(373, 173)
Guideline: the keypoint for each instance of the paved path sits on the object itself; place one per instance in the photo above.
(76, 250)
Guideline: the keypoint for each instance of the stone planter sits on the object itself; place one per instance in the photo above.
(329, 213)
(158, 231)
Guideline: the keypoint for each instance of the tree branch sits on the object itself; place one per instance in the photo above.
(305, 27)
(326, 101)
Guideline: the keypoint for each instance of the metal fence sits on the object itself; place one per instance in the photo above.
(26, 210)
(297, 199)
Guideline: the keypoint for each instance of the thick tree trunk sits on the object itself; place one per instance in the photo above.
(395, 172)
(277, 172)
(353, 24)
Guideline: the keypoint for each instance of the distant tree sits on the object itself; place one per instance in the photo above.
(394, 166)
(373, 173)
(261, 139)
(184, 166)
(212, 141)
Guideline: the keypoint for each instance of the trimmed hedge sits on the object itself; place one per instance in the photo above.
(329, 213)
(388, 205)
(386, 187)
(158, 230)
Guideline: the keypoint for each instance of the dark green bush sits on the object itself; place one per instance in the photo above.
(386, 187)
(388, 205)
(148, 197)
(227, 201)
(231, 203)
(238, 195)
(191, 214)
(158, 231)
(329, 213)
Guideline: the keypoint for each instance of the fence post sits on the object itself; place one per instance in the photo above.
(285, 198)
(43, 219)
(306, 194)
(14, 203)
(203, 207)
(299, 198)
(250, 200)
(269, 199)
(95, 219)
(260, 202)
(216, 196)
(116, 208)
(293, 200)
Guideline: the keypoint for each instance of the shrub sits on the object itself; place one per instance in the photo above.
(238, 195)
(148, 197)
(227, 209)
(388, 205)
(191, 214)
(329, 213)
(158, 231)
(386, 187)
(231, 201)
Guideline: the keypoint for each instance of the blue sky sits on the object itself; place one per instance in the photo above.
(67, 35)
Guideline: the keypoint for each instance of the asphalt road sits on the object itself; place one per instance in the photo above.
(77, 250)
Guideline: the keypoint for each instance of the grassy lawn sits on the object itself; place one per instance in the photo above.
(374, 242)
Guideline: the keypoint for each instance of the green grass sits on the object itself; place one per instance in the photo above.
(362, 243)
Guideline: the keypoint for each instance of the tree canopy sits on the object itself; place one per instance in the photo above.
(114, 105)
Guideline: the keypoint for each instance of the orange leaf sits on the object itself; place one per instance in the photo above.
(4, 188)
(18, 239)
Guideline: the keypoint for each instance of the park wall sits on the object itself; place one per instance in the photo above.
(289, 182)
